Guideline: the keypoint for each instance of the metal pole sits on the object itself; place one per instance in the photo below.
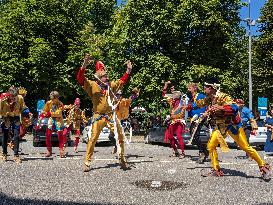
(249, 59)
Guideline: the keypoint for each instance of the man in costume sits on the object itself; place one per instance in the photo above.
(224, 112)
(27, 119)
(12, 105)
(195, 114)
(74, 119)
(53, 111)
(122, 109)
(102, 94)
(176, 123)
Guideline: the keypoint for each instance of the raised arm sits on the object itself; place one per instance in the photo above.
(115, 85)
(164, 91)
(81, 71)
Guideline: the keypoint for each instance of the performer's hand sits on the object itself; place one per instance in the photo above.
(254, 132)
(87, 60)
(168, 83)
(215, 108)
(129, 67)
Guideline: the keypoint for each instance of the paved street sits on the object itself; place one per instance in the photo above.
(154, 178)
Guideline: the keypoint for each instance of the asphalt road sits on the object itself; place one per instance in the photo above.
(154, 178)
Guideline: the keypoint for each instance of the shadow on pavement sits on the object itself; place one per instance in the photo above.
(7, 200)
(232, 172)
(134, 156)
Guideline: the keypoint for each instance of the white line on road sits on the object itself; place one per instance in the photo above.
(135, 160)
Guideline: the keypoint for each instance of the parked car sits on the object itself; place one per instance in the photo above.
(39, 136)
(254, 140)
(156, 134)
(104, 135)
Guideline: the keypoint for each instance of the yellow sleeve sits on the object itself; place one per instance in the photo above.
(168, 99)
(228, 100)
(69, 118)
(84, 120)
(47, 107)
(128, 102)
(68, 107)
(1, 107)
(203, 102)
(88, 86)
(116, 85)
(22, 103)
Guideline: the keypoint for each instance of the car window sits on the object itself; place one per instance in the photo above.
(260, 123)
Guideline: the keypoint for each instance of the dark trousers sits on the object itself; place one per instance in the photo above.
(11, 130)
(202, 146)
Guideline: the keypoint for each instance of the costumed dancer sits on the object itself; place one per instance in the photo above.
(74, 119)
(12, 105)
(224, 112)
(101, 93)
(122, 109)
(26, 119)
(195, 114)
(53, 111)
(176, 123)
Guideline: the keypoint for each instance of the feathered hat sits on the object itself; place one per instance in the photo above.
(100, 69)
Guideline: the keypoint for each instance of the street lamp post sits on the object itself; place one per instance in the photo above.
(250, 23)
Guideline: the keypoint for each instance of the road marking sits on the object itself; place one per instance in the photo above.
(171, 171)
(105, 159)
(165, 161)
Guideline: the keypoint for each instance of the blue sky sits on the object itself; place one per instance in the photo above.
(256, 6)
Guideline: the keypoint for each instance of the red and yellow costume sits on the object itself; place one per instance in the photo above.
(103, 113)
(53, 111)
(12, 106)
(226, 121)
(177, 123)
(74, 120)
(26, 119)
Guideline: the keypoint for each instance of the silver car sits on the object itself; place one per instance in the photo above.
(104, 135)
(254, 140)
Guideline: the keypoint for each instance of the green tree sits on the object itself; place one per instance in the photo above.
(179, 41)
(36, 39)
(263, 55)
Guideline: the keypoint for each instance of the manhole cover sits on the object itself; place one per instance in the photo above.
(159, 185)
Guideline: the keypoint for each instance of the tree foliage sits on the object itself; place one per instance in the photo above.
(35, 41)
(263, 55)
(42, 44)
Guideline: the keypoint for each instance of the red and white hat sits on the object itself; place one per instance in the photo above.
(100, 69)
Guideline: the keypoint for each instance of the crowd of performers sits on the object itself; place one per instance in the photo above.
(225, 116)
